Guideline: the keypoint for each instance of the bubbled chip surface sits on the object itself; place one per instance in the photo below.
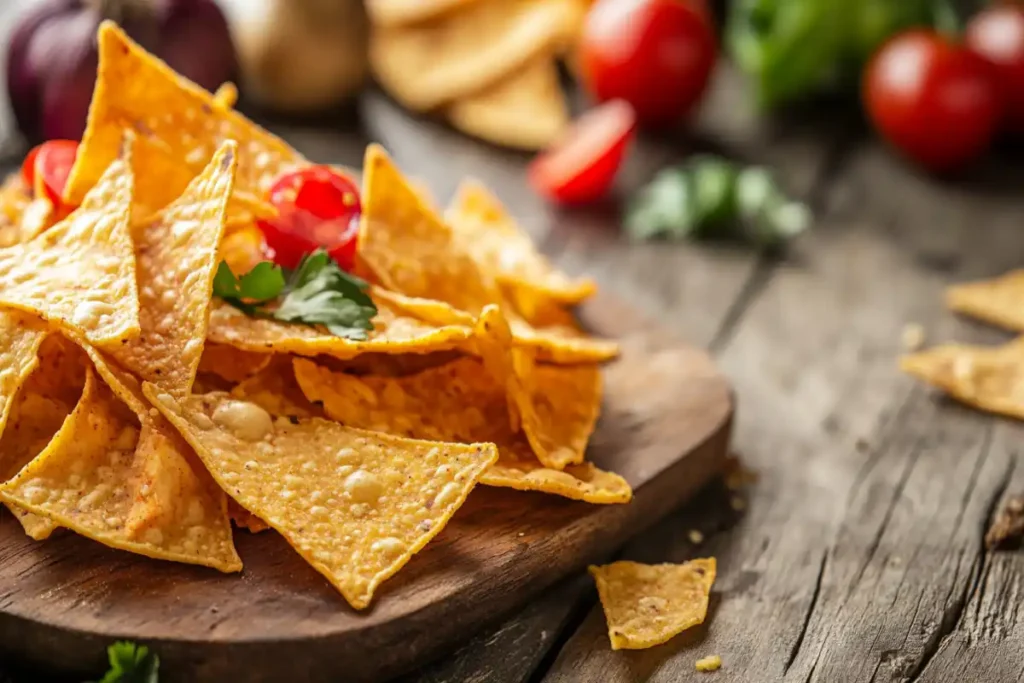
(176, 257)
(81, 272)
(356, 505)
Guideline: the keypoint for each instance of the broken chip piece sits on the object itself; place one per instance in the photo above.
(646, 605)
(355, 504)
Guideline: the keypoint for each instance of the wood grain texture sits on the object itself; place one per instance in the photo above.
(665, 427)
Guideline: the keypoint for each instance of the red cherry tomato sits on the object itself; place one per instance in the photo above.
(931, 99)
(317, 208)
(581, 167)
(655, 54)
(997, 34)
(52, 161)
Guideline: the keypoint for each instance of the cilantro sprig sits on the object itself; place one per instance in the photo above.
(131, 663)
(318, 292)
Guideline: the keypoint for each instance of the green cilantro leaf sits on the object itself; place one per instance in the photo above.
(318, 292)
(131, 663)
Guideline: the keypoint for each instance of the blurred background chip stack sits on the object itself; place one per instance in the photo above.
(489, 67)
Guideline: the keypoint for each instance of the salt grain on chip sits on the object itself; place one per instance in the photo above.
(356, 505)
(80, 273)
(646, 605)
(126, 485)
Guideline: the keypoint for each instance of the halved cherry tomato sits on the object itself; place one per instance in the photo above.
(934, 100)
(582, 167)
(51, 162)
(318, 207)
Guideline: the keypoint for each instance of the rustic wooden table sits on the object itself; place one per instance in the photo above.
(858, 555)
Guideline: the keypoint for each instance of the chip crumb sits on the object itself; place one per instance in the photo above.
(736, 475)
(912, 336)
(738, 504)
(1008, 526)
(711, 663)
(695, 536)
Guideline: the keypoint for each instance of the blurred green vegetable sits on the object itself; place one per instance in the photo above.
(713, 197)
(794, 48)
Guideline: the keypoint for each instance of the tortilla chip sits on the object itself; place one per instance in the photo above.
(242, 247)
(226, 96)
(399, 12)
(408, 248)
(491, 235)
(526, 110)
(176, 261)
(81, 272)
(428, 310)
(647, 604)
(127, 487)
(999, 301)
(275, 390)
(989, 378)
(560, 341)
(356, 505)
(232, 364)
(458, 402)
(179, 125)
(22, 336)
(394, 331)
(461, 53)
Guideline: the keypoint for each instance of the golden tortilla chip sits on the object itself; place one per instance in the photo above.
(232, 364)
(526, 110)
(356, 505)
(458, 402)
(999, 301)
(429, 64)
(242, 247)
(176, 261)
(226, 96)
(491, 235)
(394, 331)
(398, 12)
(81, 272)
(560, 340)
(179, 126)
(408, 248)
(22, 335)
(127, 486)
(647, 604)
(989, 378)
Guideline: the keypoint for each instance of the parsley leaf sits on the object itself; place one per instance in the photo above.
(131, 663)
(318, 292)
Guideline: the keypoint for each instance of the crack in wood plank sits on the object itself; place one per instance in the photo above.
(795, 649)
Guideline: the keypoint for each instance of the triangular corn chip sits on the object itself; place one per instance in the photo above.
(179, 125)
(408, 248)
(80, 273)
(557, 339)
(459, 402)
(429, 64)
(125, 485)
(647, 604)
(989, 378)
(46, 398)
(275, 389)
(394, 331)
(176, 258)
(22, 335)
(491, 235)
(999, 301)
(356, 505)
(231, 364)
(527, 110)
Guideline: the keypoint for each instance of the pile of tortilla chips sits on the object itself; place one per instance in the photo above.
(487, 66)
(141, 412)
(989, 378)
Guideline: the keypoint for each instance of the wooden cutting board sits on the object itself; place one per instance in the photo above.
(665, 427)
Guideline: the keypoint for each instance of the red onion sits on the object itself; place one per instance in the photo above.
(51, 63)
